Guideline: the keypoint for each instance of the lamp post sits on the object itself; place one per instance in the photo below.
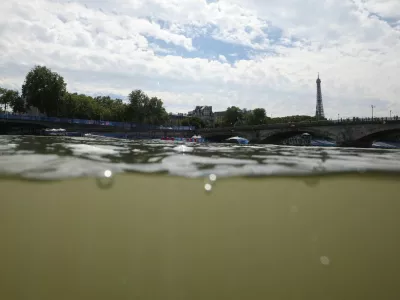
(372, 108)
(338, 117)
(390, 114)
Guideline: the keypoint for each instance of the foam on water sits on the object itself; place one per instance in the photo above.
(64, 157)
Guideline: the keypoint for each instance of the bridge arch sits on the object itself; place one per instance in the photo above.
(278, 136)
(367, 139)
(220, 137)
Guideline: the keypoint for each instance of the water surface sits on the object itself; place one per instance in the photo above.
(65, 157)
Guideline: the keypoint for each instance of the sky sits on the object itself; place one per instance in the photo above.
(247, 53)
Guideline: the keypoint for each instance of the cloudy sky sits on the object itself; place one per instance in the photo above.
(248, 53)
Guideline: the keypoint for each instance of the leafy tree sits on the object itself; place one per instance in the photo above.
(17, 103)
(232, 115)
(193, 121)
(118, 110)
(143, 109)
(11, 98)
(257, 117)
(2, 98)
(137, 99)
(44, 89)
(155, 111)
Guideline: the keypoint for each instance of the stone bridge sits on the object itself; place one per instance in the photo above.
(35, 126)
(344, 134)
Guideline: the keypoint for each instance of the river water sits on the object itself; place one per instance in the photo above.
(98, 218)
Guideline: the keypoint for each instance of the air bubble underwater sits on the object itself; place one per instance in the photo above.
(210, 182)
(106, 180)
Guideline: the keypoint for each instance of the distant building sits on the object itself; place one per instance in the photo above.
(176, 119)
(219, 116)
(203, 112)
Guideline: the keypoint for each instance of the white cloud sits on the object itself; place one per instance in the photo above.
(384, 8)
(116, 46)
(222, 58)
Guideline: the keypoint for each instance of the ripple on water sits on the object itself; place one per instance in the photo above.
(56, 158)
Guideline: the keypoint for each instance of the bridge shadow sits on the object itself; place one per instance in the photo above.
(384, 136)
(20, 128)
(279, 137)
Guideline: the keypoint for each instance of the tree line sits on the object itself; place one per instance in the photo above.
(47, 91)
(235, 116)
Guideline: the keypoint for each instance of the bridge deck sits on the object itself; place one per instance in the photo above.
(79, 123)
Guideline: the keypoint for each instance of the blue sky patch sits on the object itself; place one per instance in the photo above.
(205, 47)
(274, 33)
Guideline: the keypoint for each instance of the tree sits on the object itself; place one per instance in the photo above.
(80, 106)
(155, 111)
(44, 89)
(193, 121)
(137, 99)
(2, 101)
(143, 109)
(257, 117)
(232, 115)
(17, 103)
(11, 98)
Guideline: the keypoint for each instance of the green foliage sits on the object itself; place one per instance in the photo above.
(11, 98)
(47, 91)
(257, 117)
(143, 109)
(193, 121)
(18, 105)
(140, 108)
(232, 116)
(44, 89)
(236, 116)
(293, 119)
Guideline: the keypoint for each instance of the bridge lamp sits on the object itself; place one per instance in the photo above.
(372, 108)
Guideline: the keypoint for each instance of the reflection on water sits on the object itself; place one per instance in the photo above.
(210, 236)
(61, 157)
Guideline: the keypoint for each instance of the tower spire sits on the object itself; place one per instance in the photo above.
(319, 109)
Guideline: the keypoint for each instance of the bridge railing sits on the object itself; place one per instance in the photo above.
(129, 125)
(340, 122)
(125, 125)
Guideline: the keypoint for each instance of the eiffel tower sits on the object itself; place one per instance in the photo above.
(319, 110)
